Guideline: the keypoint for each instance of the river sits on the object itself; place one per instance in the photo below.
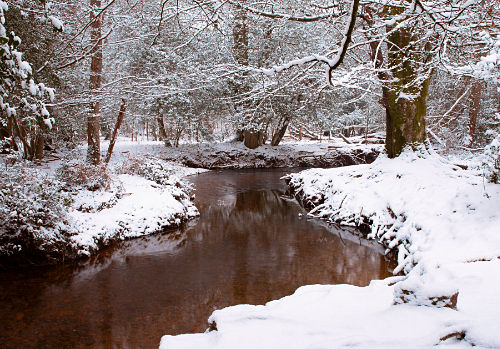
(251, 244)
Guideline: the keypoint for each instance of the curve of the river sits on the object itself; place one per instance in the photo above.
(251, 244)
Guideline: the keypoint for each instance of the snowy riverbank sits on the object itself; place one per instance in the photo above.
(66, 209)
(329, 153)
(443, 222)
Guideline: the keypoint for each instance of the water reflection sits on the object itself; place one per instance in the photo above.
(249, 246)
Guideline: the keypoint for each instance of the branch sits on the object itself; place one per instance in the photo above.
(86, 54)
(332, 63)
(304, 19)
(346, 41)
(77, 34)
(176, 14)
(119, 120)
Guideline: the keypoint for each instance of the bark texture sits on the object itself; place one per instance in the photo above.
(280, 133)
(161, 127)
(240, 53)
(240, 36)
(405, 99)
(253, 139)
(93, 133)
(39, 145)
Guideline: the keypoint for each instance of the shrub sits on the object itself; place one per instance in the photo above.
(33, 221)
(76, 174)
(158, 171)
(154, 169)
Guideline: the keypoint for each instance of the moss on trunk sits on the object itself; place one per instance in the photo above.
(405, 120)
(405, 99)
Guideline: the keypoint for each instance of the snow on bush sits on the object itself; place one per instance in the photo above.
(158, 171)
(84, 208)
(78, 174)
(492, 163)
(22, 100)
(150, 168)
(33, 220)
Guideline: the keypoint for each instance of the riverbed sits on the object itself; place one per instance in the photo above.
(251, 244)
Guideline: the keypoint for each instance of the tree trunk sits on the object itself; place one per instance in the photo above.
(404, 101)
(21, 133)
(161, 127)
(253, 139)
(405, 121)
(94, 144)
(178, 134)
(239, 136)
(475, 99)
(240, 53)
(278, 136)
(38, 145)
(119, 120)
(240, 36)
(154, 132)
(266, 48)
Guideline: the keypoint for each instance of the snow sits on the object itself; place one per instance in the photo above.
(56, 22)
(444, 224)
(341, 316)
(33, 88)
(91, 207)
(143, 208)
(295, 62)
(135, 205)
(397, 195)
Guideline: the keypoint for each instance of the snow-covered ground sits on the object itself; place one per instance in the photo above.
(148, 196)
(142, 207)
(444, 223)
(64, 208)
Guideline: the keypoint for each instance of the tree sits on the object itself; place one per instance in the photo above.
(408, 41)
(93, 133)
(406, 97)
(24, 116)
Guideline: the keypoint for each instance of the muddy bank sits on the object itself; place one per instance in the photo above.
(236, 156)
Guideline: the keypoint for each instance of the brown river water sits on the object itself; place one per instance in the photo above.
(251, 244)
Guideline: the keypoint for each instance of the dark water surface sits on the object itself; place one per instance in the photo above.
(250, 245)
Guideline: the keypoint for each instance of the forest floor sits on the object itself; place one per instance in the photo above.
(442, 221)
